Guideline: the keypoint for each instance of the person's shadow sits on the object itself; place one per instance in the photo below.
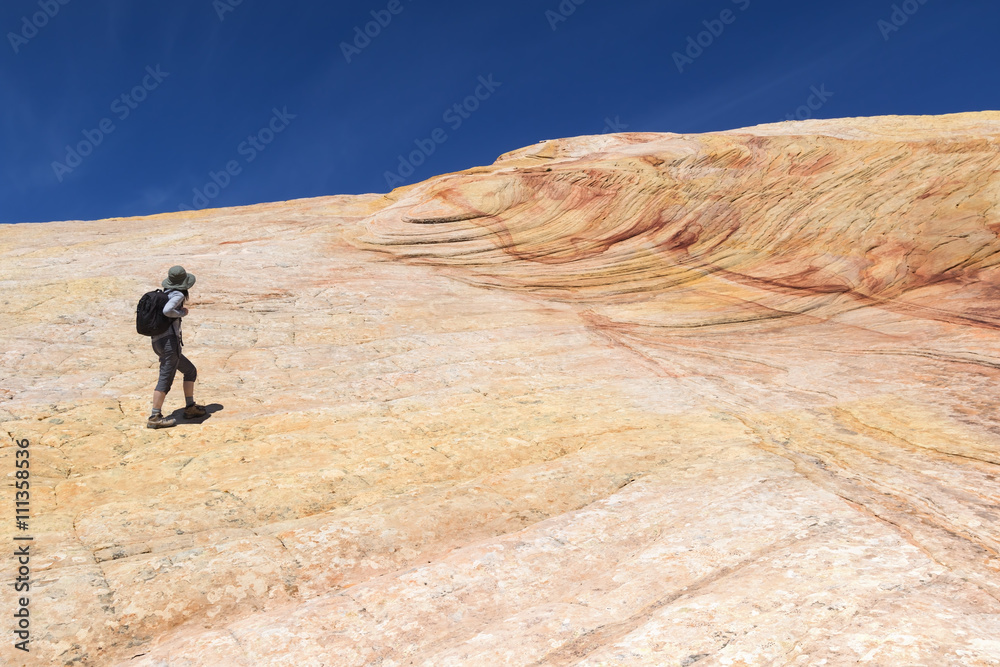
(211, 409)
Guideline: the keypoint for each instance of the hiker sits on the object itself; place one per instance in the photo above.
(167, 346)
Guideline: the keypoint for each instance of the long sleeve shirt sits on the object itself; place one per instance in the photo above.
(175, 310)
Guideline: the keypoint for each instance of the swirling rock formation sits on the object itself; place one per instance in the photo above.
(638, 399)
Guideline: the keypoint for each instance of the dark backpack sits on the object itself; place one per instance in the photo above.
(149, 317)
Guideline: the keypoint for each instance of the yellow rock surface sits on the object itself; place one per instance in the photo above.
(637, 399)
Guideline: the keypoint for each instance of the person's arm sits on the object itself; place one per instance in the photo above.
(175, 307)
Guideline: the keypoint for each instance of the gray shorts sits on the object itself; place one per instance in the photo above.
(171, 360)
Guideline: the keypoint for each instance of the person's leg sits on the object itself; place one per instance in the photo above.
(166, 350)
(192, 409)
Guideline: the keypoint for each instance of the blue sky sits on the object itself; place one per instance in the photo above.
(117, 108)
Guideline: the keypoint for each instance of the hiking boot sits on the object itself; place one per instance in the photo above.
(159, 421)
(195, 411)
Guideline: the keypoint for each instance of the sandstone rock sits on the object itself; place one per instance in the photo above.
(638, 399)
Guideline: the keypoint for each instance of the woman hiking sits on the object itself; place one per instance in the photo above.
(167, 347)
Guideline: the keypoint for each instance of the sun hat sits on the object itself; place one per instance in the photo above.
(179, 279)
